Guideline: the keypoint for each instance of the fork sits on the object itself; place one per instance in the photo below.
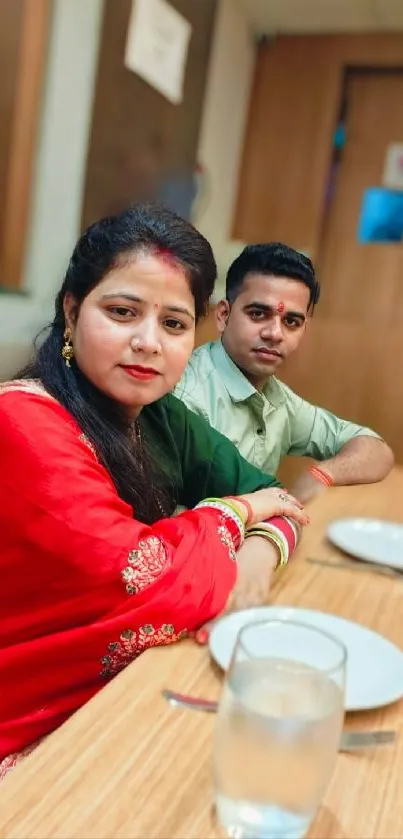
(349, 740)
(358, 565)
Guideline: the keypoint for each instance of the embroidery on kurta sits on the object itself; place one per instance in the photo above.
(12, 760)
(84, 439)
(145, 564)
(133, 642)
(227, 540)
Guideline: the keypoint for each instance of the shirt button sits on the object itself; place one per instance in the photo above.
(260, 431)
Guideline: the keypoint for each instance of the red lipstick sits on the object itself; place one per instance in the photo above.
(136, 371)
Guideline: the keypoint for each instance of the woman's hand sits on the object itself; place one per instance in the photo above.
(266, 503)
(256, 560)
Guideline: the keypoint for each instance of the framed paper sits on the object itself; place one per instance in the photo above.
(157, 46)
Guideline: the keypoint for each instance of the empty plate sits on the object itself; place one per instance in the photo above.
(374, 664)
(370, 539)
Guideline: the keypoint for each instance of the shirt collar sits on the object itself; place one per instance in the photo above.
(238, 387)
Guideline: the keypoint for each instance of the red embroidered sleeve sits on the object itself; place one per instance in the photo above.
(86, 587)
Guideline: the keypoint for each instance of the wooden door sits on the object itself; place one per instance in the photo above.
(363, 282)
(352, 356)
(292, 116)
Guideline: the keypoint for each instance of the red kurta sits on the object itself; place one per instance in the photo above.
(85, 588)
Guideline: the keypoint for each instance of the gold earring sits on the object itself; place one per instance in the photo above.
(67, 349)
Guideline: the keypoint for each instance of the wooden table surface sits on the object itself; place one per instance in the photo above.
(128, 765)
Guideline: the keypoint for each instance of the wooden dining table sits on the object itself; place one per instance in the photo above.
(130, 766)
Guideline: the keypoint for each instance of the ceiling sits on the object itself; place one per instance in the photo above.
(319, 16)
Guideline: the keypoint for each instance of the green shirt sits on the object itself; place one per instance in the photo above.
(197, 460)
(264, 426)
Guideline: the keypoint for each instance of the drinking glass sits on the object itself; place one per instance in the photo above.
(278, 729)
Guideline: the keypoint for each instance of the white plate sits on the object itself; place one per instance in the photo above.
(374, 664)
(370, 539)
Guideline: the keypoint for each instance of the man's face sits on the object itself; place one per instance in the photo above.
(264, 325)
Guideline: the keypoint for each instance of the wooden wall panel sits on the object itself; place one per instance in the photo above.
(291, 120)
(363, 282)
(24, 27)
(11, 12)
(352, 369)
(206, 329)
(293, 111)
(350, 359)
(136, 133)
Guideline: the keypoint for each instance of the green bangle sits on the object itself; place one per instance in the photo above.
(232, 507)
(236, 510)
(273, 539)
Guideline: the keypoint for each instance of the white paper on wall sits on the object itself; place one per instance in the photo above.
(157, 46)
(393, 169)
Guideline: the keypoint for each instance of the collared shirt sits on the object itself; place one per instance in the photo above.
(265, 426)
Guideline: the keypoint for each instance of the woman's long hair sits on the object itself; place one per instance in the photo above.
(142, 227)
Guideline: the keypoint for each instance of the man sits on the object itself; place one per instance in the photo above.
(271, 290)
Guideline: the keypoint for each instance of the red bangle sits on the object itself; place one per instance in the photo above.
(321, 475)
(245, 503)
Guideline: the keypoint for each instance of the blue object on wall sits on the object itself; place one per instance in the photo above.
(381, 216)
(339, 137)
(179, 193)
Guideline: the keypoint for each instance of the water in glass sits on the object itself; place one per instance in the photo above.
(276, 741)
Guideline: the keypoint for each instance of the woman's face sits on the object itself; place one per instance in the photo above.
(134, 332)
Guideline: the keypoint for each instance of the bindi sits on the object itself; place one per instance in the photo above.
(280, 307)
(166, 256)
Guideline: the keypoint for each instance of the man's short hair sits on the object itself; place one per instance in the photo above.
(274, 260)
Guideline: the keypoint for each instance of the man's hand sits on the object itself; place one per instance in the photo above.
(306, 488)
(362, 460)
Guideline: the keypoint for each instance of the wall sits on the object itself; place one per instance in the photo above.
(223, 126)
(355, 340)
(139, 137)
(293, 112)
(24, 42)
(62, 150)
(60, 162)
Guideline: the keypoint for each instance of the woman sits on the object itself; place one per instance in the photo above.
(96, 455)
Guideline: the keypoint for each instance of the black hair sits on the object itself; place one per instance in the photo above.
(274, 260)
(141, 228)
